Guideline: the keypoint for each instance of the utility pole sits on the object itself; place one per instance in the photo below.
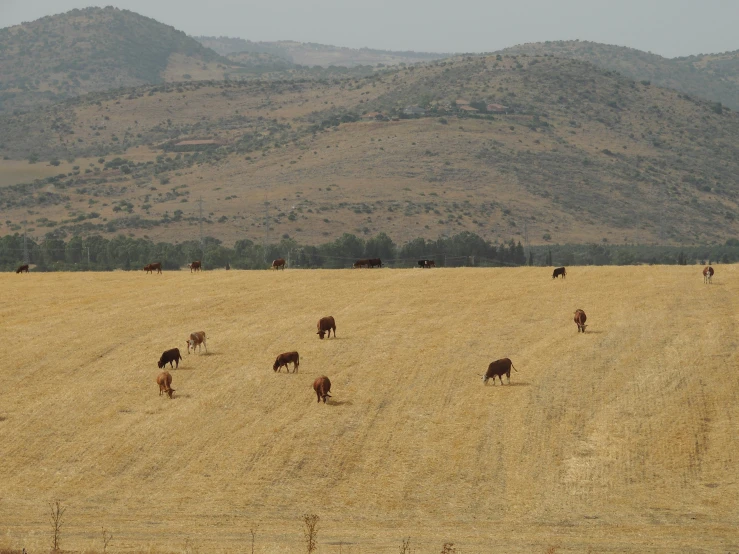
(288, 257)
(88, 258)
(25, 246)
(266, 230)
(202, 240)
(527, 253)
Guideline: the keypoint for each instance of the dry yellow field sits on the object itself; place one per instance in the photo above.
(624, 439)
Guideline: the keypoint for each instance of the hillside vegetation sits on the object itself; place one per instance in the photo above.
(309, 53)
(711, 76)
(619, 440)
(89, 50)
(580, 155)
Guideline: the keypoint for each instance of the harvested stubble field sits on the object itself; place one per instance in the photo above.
(624, 439)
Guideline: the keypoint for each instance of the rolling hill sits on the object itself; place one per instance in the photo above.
(94, 49)
(579, 154)
(622, 439)
(711, 76)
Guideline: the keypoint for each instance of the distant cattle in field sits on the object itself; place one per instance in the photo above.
(361, 263)
(580, 319)
(426, 263)
(22, 268)
(560, 271)
(375, 262)
(169, 357)
(278, 263)
(228, 266)
(286, 358)
(707, 274)
(498, 368)
(197, 339)
(322, 386)
(151, 268)
(164, 380)
(326, 324)
(195, 266)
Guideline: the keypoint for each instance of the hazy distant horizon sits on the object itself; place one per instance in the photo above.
(670, 28)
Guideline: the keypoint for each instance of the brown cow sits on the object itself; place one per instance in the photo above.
(361, 263)
(580, 319)
(157, 266)
(708, 274)
(284, 359)
(559, 271)
(426, 264)
(326, 324)
(169, 356)
(499, 368)
(22, 268)
(195, 266)
(322, 386)
(164, 380)
(197, 339)
(278, 263)
(375, 262)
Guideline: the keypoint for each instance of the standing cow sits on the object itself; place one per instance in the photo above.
(23, 268)
(580, 319)
(708, 274)
(559, 272)
(157, 266)
(195, 266)
(326, 324)
(278, 263)
(286, 358)
(322, 386)
(498, 368)
(375, 262)
(164, 380)
(197, 339)
(170, 356)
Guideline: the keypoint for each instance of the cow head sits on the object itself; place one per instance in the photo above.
(485, 379)
(276, 364)
(190, 344)
(170, 392)
(160, 364)
(321, 334)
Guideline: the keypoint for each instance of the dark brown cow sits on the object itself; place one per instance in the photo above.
(195, 266)
(580, 319)
(426, 264)
(197, 339)
(326, 324)
(322, 386)
(708, 274)
(286, 358)
(560, 271)
(22, 268)
(164, 380)
(498, 368)
(361, 263)
(170, 356)
(278, 263)
(375, 262)
(156, 266)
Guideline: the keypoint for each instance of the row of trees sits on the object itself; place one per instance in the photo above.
(97, 253)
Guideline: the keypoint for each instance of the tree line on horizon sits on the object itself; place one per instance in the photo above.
(96, 253)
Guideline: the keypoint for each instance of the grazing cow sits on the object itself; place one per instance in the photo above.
(164, 380)
(375, 262)
(195, 266)
(580, 319)
(322, 386)
(361, 263)
(707, 274)
(499, 368)
(559, 271)
(22, 268)
(278, 263)
(284, 359)
(197, 339)
(169, 356)
(157, 266)
(426, 264)
(147, 268)
(326, 324)
(228, 266)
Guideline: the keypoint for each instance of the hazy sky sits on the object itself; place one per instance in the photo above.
(667, 27)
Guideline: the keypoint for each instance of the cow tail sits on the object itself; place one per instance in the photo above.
(514, 368)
